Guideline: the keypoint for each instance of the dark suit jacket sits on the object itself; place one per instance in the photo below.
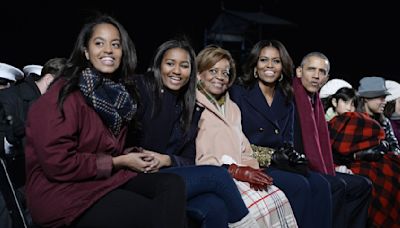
(264, 125)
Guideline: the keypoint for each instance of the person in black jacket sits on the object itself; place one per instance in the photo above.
(16, 101)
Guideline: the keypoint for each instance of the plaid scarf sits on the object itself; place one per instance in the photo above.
(110, 100)
(354, 131)
(314, 130)
(219, 104)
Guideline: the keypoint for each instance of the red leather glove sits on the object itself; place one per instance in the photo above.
(258, 187)
(256, 177)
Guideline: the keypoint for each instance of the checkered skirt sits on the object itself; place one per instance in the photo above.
(270, 207)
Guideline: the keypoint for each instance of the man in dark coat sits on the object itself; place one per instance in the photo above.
(351, 194)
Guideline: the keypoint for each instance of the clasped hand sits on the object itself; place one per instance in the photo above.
(140, 160)
(257, 179)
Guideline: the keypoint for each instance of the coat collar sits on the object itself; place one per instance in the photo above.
(272, 113)
(204, 102)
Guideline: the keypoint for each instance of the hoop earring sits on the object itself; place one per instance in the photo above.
(255, 74)
(281, 78)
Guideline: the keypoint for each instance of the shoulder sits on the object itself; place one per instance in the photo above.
(237, 92)
(198, 110)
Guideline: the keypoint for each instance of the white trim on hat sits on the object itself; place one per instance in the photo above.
(10, 72)
(36, 69)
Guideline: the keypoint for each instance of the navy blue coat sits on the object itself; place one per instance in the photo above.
(271, 126)
(264, 125)
(161, 132)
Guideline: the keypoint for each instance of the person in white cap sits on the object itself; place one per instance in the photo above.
(9, 75)
(392, 108)
(338, 96)
(16, 101)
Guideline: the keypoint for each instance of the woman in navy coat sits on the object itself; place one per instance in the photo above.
(264, 95)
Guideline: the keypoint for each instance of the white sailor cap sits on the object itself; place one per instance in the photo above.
(36, 69)
(10, 72)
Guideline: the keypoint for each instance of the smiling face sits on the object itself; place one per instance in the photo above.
(216, 79)
(104, 48)
(269, 65)
(175, 68)
(375, 105)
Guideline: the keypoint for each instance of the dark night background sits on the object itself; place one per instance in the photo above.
(359, 38)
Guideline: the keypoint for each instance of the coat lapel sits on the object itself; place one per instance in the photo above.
(256, 99)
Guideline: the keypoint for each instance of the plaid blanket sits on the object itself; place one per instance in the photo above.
(354, 131)
(270, 208)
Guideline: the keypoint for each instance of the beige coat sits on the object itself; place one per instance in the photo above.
(220, 139)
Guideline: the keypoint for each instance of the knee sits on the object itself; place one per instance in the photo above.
(208, 209)
(291, 182)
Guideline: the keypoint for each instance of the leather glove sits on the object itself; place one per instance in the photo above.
(257, 187)
(372, 154)
(295, 158)
(256, 177)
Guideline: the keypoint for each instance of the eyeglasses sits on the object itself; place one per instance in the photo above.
(214, 72)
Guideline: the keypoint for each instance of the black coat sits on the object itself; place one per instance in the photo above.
(16, 101)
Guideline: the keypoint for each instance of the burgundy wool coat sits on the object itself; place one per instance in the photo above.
(68, 161)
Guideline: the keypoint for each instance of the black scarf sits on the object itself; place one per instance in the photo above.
(110, 99)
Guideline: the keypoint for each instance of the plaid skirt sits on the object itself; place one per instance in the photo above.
(270, 207)
(384, 210)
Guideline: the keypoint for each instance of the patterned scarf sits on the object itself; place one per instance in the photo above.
(110, 100)
(314, 130)
(219, 104)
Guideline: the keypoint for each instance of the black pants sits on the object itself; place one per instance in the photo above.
(148, 200)
(351, 196)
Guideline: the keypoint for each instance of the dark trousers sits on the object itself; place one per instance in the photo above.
(213, 198)
(351, 196)
(309, 197)
(148, 200)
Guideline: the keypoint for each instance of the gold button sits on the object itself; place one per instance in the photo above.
(276, 131)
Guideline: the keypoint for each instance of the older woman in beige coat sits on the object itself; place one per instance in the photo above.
(221, 142)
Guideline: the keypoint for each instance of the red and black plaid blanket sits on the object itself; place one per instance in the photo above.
(354, 131)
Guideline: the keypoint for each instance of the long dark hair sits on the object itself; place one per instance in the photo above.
(248, 78)
(390, 108)
(153, 80)
(77, 61)
(345, 94)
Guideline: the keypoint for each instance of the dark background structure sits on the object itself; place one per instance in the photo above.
(360, 38)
